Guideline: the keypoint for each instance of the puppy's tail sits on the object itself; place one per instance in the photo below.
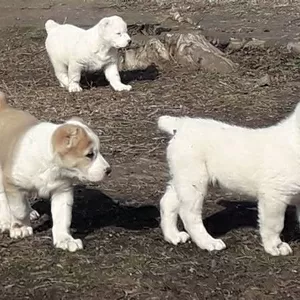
(170, 124)
(50, 24)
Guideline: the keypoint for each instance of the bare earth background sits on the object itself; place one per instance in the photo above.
(125, 256)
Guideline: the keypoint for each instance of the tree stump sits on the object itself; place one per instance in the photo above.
(193, 49)
(190, 50)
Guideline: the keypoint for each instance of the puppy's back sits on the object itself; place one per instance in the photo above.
(13, 125)
(62, 39)
(66, 30)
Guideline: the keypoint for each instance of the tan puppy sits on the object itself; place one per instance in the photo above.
(44, 158)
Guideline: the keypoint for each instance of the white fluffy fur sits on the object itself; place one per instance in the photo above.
(36, 168)
(72, 50)
(263, 163)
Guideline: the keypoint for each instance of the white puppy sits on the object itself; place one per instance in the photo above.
(44, 158)
(72, 50)
(263, 163)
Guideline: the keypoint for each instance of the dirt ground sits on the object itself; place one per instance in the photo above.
(125, 256)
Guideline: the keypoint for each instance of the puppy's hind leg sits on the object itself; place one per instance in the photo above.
(74, 73)
(20, 209)
(191, 186)
(169, 207)
(271, 212)
(5, 213)
(61, 73)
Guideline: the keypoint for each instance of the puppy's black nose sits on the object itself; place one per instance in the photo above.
(129, 42)
(108, 170)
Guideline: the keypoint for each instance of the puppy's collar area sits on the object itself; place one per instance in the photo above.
(102, 51)
(63, 171)
(97, 42)
(70, 174)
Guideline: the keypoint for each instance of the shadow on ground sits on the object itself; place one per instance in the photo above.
(92, 210)
(89, 80)
(241, 214)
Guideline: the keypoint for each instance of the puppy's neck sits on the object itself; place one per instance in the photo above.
(43, 146)
(98, 44)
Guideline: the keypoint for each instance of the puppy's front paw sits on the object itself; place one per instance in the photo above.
(123, 87)
(215, 244)
(34, 215)
(74, 88)
(211, 244)
(176, 237)
(68, 243)
(19, 231)
(280, 249)
(4, 224)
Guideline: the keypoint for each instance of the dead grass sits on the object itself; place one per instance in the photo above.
(125, 256)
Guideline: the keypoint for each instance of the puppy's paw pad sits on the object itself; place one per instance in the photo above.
(74, 88)
(69, 244)
(34, 215)
(214, 245)
(177, 237)
(281, 249)
(20, 232)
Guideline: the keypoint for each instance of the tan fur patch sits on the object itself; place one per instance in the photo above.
(13, 125)
(72, 144)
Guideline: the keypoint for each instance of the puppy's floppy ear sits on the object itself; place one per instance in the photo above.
(77, 119)
(104, 22)
(66, 137)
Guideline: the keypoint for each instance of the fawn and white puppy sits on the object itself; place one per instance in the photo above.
(263, 163)
(44, 158)
(72, 50)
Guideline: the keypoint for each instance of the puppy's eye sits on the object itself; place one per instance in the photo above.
(119, 33)
(90, 155)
